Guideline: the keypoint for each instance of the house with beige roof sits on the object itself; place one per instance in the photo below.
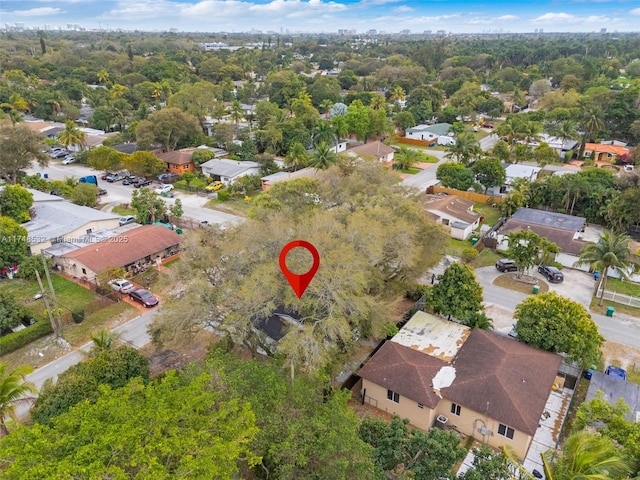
(455, 213)
(378, 150)
(480, 383)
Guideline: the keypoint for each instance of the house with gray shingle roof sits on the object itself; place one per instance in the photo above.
(454, 213)
(428, 133)
(55, 220)
(486, 385)
(227, 171)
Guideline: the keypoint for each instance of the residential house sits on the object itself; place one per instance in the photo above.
(514, 171)
(340, 146)
(600, 152)
(560, 145)
(428, 133)
(455, 213)
(569, 232)
(378, 150)
(178, 161)
(134, 249)
(480, 383)
(55, 220)
(269, 180)
(227, 171)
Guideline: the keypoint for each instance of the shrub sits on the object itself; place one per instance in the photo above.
(17, 340)
(469, 254)
(223, 195)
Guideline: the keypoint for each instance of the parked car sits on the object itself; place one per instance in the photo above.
(126, 220)
(68, 159)
(106, 175)
(142, 182)
(168, 177)
(217, 185)
(130, 180)
(116, 177)
(145, 297)
(506, 265)
(487, 125)
(102, 191)
(164, 188)
(122, 285)
(616, 372)
(551, 273)
(59, 153)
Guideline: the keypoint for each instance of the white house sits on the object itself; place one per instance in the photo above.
(428, 133)
(377, 149)
(455, 213)
(227, 171)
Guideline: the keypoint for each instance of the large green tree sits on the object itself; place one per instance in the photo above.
(15, 203)
(105, 158)
(527, 249)
(556, 324)
(144, 164)
(611, 251)
(455, 175)
(72, 136)
(11, 312)
(172, 428)
(19, 148)
(170, 127)
(149, 207)
(397, 448)
(457, 292)
(14, 244)
(489, 172)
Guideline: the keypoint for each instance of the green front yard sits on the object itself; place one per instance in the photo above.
(627, 288)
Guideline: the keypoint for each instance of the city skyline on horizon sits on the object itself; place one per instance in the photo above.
(325, 16)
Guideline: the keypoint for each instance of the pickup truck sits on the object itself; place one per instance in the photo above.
(116, 177)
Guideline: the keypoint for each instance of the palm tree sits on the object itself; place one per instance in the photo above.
(398, 94)
(592, 123)
(478, 320)
(235, 111)
(587, 455)
(71, 135)
(103, 340)
(565, 130)
(610, 252)
(326, 107)
(465, 149)
(377, 102)
(297, 156)
(13, 391)
(323, 133)
(103, 76)
(323, 157)
(405, 158)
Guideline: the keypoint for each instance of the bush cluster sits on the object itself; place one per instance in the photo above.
(14, 341)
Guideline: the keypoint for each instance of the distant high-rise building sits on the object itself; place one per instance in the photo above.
(373, 31)
(405, 32)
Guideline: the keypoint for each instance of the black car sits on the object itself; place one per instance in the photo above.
(506, 265)
(130, 180)
(551, 273)
(102, 191)
(145, 297)
(142, 182)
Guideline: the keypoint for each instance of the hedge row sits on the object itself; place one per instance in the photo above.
(19, 339)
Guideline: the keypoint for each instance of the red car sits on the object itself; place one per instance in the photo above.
(145, 297)
(487, 125)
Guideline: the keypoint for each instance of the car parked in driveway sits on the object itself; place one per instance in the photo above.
(68, 159)
(145, 297)
(552, 274)
(130, 180)
(217, 185)
(168, 177)
(506, 265)
(142, 182)
(122, 285)
(616, 372)
(58, 153)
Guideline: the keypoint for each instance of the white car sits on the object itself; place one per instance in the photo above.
(68, 159)
(164, 188)
(122, 285)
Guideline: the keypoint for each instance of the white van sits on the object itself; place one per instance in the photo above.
(446, 140)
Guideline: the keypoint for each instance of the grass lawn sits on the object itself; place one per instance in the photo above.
(486, 258)
(171, 262)
(429, 159)
(490, 214)
(508, 280)
(122, 211)
(412, 170)
(619, 308)
(80, 333)
(237, 206)
(68, 294)
(627, 288)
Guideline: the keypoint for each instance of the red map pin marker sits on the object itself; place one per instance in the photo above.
(299, 283)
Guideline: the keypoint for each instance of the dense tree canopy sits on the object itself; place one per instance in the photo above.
(556, 324)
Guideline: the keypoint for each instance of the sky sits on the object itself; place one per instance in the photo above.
(389, 16)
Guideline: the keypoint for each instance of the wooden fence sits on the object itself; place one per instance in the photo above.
(413, 141)
(473, 196)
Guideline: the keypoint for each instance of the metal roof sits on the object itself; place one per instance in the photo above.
(549, 219)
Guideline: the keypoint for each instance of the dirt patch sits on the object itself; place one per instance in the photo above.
(621, 355)
(524, 284)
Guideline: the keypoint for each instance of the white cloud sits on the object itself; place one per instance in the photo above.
(506, 18)
(404, 9)
(37, 12)
(635, 11)
(555, 17)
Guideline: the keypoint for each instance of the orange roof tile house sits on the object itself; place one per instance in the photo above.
(605, 153)
(178, 161)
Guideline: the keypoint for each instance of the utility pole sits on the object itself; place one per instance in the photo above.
(54, 325)
(53, 297)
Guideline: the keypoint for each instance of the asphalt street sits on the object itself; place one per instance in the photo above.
(192, 205)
